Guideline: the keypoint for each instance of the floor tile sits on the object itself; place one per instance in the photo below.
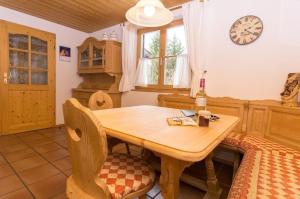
(63, 164)
(155, 190)
(28, 163)
(5, 170)
(56, 155)
(52, 146)
(13, 148)
(19, 155)
(50, 187)
(40, 142)
(68, 172)
(2, 160)
(19, 194)
(31, 137)
(9, 141)
(38, 173)
(59, 196)
(9, 184)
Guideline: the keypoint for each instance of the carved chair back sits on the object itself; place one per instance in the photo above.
(100, 100)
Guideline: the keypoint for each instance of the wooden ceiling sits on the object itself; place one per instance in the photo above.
(84, 15)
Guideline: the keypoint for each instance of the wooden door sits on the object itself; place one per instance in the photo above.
(28, 89)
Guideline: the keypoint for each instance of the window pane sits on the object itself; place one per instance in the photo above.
(176, 43)
(151, 44)
(18, 76)
(18, 58)
(38, 45)
(152, 70)
(18, 41)
(39, 78)
(170, 64)
(39, 61)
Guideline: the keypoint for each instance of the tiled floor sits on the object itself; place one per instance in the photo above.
(37, 164)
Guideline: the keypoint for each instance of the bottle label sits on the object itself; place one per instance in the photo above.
(201, 101)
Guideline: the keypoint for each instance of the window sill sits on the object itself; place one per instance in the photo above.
(163, 90)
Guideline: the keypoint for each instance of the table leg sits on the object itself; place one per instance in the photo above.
(213, 189)
(171, 170)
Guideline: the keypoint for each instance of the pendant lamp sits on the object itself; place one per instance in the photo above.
(149, 13)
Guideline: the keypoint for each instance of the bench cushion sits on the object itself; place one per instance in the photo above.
(233, 139)
(252, 142)
(125, 174)
(264, 175)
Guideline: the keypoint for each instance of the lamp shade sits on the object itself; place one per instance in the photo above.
(149, 13)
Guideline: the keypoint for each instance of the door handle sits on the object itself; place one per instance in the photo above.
(5, 78)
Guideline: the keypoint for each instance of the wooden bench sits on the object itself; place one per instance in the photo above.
(268, 136)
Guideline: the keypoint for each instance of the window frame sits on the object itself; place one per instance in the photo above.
(160, 87)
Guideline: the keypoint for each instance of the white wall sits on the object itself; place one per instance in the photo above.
(66, 72)
(255, 71)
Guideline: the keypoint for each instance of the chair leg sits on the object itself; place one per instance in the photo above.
(143, 197)
(128, 149)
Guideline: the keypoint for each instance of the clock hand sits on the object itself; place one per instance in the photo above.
(249, 31)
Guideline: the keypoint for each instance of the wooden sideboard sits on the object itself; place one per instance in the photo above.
(264, 118)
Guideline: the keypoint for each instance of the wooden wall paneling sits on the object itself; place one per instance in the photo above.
(230, 106)
(284, 126)
(257, 119)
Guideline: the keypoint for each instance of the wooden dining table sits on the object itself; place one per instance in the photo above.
(177, 146)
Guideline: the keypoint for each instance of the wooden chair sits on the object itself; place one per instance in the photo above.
(95, 173)
(98, 101)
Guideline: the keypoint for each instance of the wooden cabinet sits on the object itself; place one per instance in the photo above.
(28, 72)
(99, 64)
(99, 56)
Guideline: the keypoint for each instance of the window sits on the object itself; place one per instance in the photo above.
(158, 49)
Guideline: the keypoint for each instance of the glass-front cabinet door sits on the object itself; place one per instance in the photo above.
(84, 58)
(98, 56)
(28, 60)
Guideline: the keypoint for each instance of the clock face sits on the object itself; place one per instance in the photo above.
(246, 30)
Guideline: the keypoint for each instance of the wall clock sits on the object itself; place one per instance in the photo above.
(246, 30)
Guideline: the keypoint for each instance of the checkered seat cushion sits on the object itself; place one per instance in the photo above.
(125, 174)
(266, 176)
(233, 139)
(252, 142)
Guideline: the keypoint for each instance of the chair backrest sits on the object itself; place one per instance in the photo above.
(88, 148)
(100, 100)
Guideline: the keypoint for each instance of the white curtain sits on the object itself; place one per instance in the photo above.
(182, 75)
(129, 53)
(193, 13)
(142, 72)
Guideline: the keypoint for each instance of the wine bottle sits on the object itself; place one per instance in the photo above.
(201, 95)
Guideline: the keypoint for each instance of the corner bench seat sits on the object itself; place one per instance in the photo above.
(268, 170)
